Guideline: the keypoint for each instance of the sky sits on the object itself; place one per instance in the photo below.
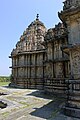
(15, 16)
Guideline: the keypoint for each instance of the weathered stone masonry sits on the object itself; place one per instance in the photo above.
(57, 62)
(50, 59)
(27, 58)
(70, 16)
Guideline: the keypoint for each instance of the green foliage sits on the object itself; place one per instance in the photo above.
(4, 78)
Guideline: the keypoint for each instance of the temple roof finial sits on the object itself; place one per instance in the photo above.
(37, 17)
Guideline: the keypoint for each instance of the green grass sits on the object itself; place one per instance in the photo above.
(4, 83)
(4, 80)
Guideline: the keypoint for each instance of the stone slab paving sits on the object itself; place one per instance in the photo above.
(26, 104)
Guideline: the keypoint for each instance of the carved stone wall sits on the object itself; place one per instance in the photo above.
(33, 59)
(74, 30)
(32, 72)
(70, 4)
(75, 62)
(49, 51)
(56, 50)
(59, 70)
(49, 70)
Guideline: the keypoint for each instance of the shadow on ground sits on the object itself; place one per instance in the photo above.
(41, 94)
(48, 111)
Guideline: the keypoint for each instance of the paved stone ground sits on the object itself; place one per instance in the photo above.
(26, 104)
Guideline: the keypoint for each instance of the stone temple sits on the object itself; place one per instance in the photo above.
(50, 59)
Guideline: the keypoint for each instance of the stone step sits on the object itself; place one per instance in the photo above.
(73, 93)
(71, 111)
(57, 85)
(53, 87)
(74, 97)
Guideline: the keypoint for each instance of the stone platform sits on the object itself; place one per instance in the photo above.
(26, 104)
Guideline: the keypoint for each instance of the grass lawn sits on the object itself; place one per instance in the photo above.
(4, 83)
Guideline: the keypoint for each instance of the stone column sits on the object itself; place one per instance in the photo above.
(71, 73)
(78, 21)
(69, 30)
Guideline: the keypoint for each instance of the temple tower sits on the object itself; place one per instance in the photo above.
(28, 56)
(70, 16)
